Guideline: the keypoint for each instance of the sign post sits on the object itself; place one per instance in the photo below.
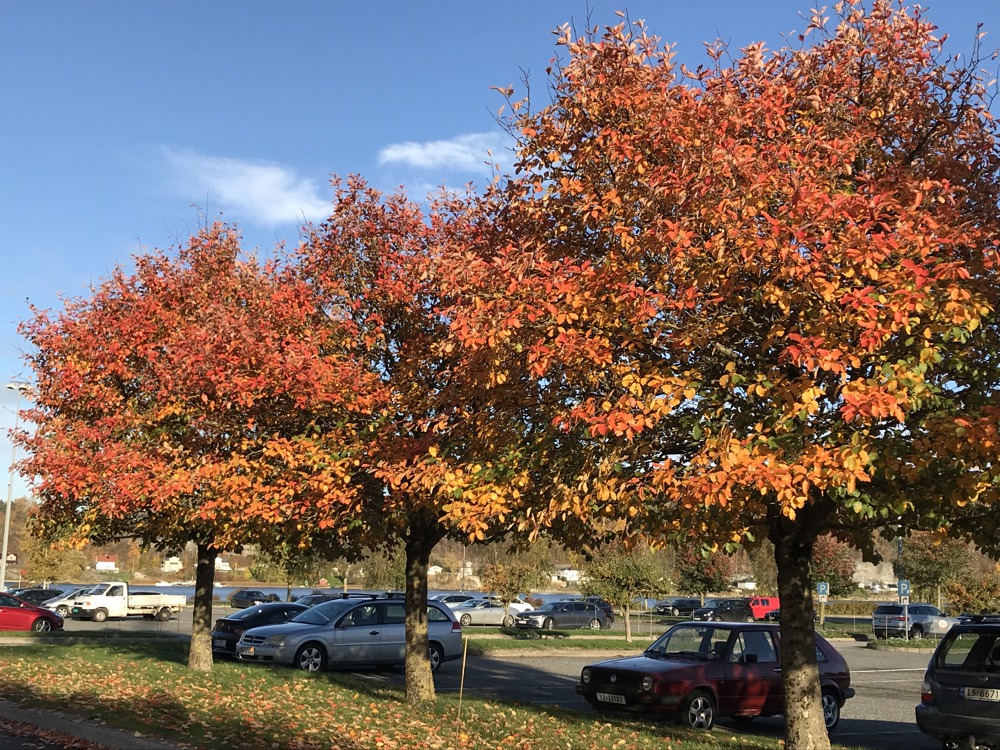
(903, 588)
(823, 592)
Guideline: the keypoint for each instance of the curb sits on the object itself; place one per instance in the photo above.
(78, 727)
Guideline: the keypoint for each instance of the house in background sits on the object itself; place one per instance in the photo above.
(106, 564)
(172, 565)
(435, 570)
(223, 566)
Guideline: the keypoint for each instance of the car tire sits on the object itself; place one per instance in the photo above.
(100, 615)
(508, 621)
(311, 658)
(548, 624)
(749, 619)
(675, 612)
(595, 624)
(466, 620)
(436, 656)
(916, 632)
(697, 711)
(62, 610)
(164, 614)
(831, 709)
(42, 625)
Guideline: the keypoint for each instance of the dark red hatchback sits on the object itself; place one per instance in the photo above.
(697, 671)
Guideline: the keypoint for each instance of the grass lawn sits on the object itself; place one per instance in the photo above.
(145, 686)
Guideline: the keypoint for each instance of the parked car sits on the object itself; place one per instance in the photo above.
(227, 630)
(678, 606)
(698, 671)
(453, 600)
(310, 600)
(36, 595)
(914, 621)
(249, 597)
(761, 605)
(775, 616)
(564, 614)
(61, 603)
(515, 605)
(350, 632)
(609, 611)
(724, 610)
(485, 612)
(960, 697)
(17, 614)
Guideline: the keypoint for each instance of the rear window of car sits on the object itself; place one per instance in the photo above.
(889, 609)
(971, 651)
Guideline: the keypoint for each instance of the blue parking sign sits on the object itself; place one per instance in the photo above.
(903, 588)
(823, 588)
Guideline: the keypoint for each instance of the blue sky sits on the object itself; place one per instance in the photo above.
(121, 120)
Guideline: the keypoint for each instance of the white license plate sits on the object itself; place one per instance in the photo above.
(611, 698)
(981, 694)
(219, 643)
(246, 650)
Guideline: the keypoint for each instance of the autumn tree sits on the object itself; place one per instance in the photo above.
(763, 291)
(702, 572)
(507, 580)
(931, 561)
(621, 576)
(833, 561)
(169, 400)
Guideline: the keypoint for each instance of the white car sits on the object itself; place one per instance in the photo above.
(62, 603)
(485, 612)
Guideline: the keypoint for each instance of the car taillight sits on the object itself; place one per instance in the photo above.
(456, 626)
(926, 694)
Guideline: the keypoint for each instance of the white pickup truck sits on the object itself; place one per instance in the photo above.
(106, 600)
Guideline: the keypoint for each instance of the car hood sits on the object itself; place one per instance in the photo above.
(652, 664)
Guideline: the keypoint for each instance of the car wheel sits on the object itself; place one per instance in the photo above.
(466, 619)
(595, 624)
(831, 710)
(100, 615)
(675, 612)
(41, 625)
(697, 711)
(508, 621)
(311, 658)
(436, 656)
(749, 619)
(62, 610)
(164, 614)
(548, 624)
(916, 632)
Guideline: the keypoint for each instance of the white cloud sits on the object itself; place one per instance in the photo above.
(260, 192)
(472, 152)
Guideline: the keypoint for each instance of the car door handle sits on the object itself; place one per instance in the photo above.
(372, 632)
(777, 670)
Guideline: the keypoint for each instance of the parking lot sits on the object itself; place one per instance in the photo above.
(879, 717)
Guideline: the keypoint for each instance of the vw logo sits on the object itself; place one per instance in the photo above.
(614, 678)
(981, 678)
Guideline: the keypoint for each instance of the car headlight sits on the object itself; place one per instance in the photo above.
(275, 640)
(647, 683)
(943, 624)
(585, 675)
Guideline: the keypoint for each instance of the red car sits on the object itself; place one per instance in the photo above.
(697, 671)
(16, 614)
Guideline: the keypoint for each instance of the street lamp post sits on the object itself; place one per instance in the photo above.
(20, 388)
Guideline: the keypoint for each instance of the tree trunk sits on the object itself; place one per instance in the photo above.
(200, 652)
(423, 534)
(804, 723)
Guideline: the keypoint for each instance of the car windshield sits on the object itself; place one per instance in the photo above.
(693, 641)
(249, 612)
(548, 607)
(712, 604)
(971, 651)
(323, 613)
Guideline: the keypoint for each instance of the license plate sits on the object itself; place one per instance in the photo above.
(219, 643)
(981, 694)
(611, 698)
(246, 650)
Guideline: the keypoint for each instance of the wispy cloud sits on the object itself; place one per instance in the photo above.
(472, 152)
(264, 193)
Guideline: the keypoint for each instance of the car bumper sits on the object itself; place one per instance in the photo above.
(631, 701)
(261, 654)
(955, 728)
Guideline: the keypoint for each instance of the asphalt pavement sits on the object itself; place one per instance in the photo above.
(24, 728)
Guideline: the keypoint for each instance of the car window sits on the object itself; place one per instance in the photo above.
(321, 614)
(754, 642)
(436, 615)
(972, 651)
(9, 601)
